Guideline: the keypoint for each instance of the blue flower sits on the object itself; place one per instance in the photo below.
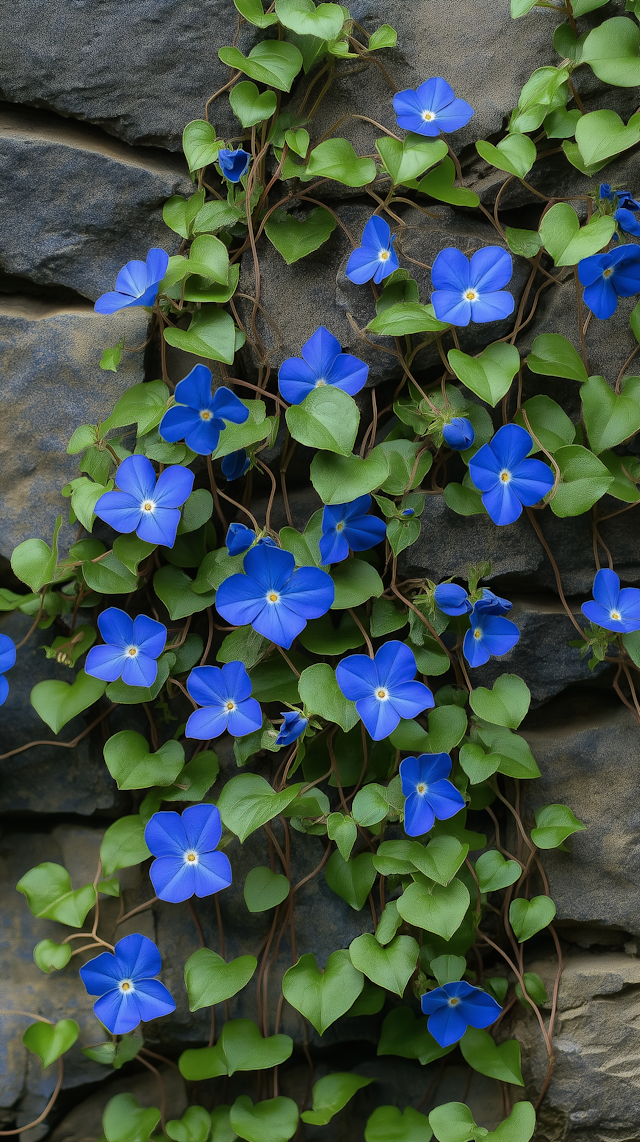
(235, 464)
(452, 599)
(429, 796)
(607, 277)
(489, 635)
(233, 164)
(184, 846)
(347, 527)
(613, 609)
(408, 511)
(471, 290)
(492, 604)
(454, 1007)
(150, 509)
(624, 216)
(239, 538)
(431, 108)
(276, 599)
(624, 197)
(506, 478)
(136, 284)
(132, 647)
(375, 258)
(125, 982)
(322, 363)
(383, 688)
(197, 417)
(459, 433)
(225, 695)
(7, 660)
(292, 728)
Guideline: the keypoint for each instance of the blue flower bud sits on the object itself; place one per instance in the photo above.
(459, 433)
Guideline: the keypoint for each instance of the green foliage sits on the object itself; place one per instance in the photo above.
(330, 1094)
(568, 242)
(554, 823)
(497, 1060)
(294, 238)
(123, 845)
(390, 967)
(516, 154)
(505, 704)
(489, 376)
(129, 762)
(49, 1041)
(529, 916)
(612, 49)
(264, 889)
(209, 979)
(321, 695)
(275, 1120)
(327, 419)
(50, 956)
(435, 907)
(389, 1124)
(323, 996)
(336, 159)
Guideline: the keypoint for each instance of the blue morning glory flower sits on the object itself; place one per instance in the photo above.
(506, 478)
(471, 289)
(239, 538)
(459, 433)
(454, 1007)
(233, 164)
(606, 277)
(452, 599)
(275, 598)
(197, 417)
(383, 688)
(125, 982)
(136, 284)
(347, 527)
(408, 511)
(322, 363)
(375, 259)
(235, 464)
(429, 796)
(184, 846)
(7, 660)
(489, 635)
(492, 604)
(150, 509)
(225, 695)
(131, 649)
(624, 197)
(613, 609)
(292, 728)
(627, 221)
(431, 108)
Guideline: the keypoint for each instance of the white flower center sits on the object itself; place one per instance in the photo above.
(320, 381)
(205, 414)
(453, 1001)
(340, 526)
(230, 706)
(272, 597)
(148, 506)
(190, 857)
(421, 788)
(384, 255)
(505, 476)
(428, 116)
(608, 272)
(131, 651)
(126, 985)
(382, 694)
(471, 295)
(477, 634)
(616, 616)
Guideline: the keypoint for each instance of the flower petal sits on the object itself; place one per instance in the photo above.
(410, 698)
(152, 999)
(120, 510)
(105, 662)
(348, 373)
(395, 664)
(447, 1026)
(601, 298)
(363, 265)
(490, 269)
(492, 307)
(159, 527)
(320, 352)
(419, 816)
(174, 486)
(228, 406)
(296, 380)
(178, 422)
(137, 477)
(149, 636)
(116, 627)
(138, 957)
(118, 1011)
(195, 389)
(212, 874)
(356, 676)
(380, 718)
(451, 271)
(449, 305)
(502, 504)
(172, 878)
(139, 670)
(245, 719)
(207, 723)
(269, 567)
(202, 827)
(309, 592)
(206, 685)
(165, 835)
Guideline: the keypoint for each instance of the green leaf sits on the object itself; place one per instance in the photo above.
(197, 511)
(294, 238)
(370, 805)
(49, 956)
(34, 561)
(321, 694)
(58, 702)
(341, 479)
(516, 154)
(521, 7)
(386, 617)
(489, 376)
(325, 22)
(505, 704)
(583, 480)
(273, 679)
(355, 582)
(389, 923)
(535, 989)
(119, 692)
(526, 243)
(390, 967)
(275, 1120)
(257, 427)
(132, 766)
(601, 135)
(462, 500)
(199, 144)
(211, 334)
(123, 845)
(322, 996)
(612, 51)
(178, 214)
(494, 872)
(405, 318)
(246, 1050)
(441, 859)
(336, 159)
(144, 405)
(244, 645)
(390, 1124)
(209, 979)
(518, 1127)
(250, 105)
(553, 356)
(437, 909)
(448, 969)
(342, 829)
(453, 1121)
(215, 216)
(447, 727)
(439, 184)
(402, 533)
(203, 1063)
(392, 858)
(298, 141)
(50, 1041)
(328, 418)
(124, 1120)
(561, 124)
(273, 62)
(264, 889)
(404, 473)
(497, 1061)
(407, 1036)
(622, 468)
(248, 801)
(174, 588)
(194, 1126)
(197, 777)
(208, 257)
(530, 916)
(567, 242)
(331, 1094)
(47, 888)
(253, 11)
(477, 764)
(131, 551)
(513, 754)
(320, 636)
(109, 576)
(351, 879)
(548, 421)
(543, 92)
(408, 158)
(110, 358)
(610, 417)
(554, 823)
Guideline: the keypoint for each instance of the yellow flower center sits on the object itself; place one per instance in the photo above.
(470, 295)
(132, 651)
(608, 272)
(505, 476)
(421, 788)
(428, 116)
(382, 694)
(616, 616)
(477, 634)
(230, 706)
(148, 506)
(192, 857)
(384, 255)
(273, 597)
(453, 1001)
(205, 414)
(126, 985)
(320, 381)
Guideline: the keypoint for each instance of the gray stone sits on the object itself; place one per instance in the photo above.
(52, 384)
(106, 208)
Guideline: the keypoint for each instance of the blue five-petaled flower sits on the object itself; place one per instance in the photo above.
(225, 695)
(125, 982)
(376, 258)
(454, 1007)
(472, 290)
(429, 795)
(613, 608)
(233, 164)
(292, 728)
(459, 433)
(347, 527)
(197, 417)
(150, 509)
(136, 284)
(606, 277)
(7, 660)
(275, 598)
(490, 634)
(431, 108)
(131, 650)
(184, 846)
(322, 363)
(383, 688)
(506, 478)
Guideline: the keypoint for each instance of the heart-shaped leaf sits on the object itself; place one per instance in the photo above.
(505, 704)
(554, 823)
(325, 22)
(404, 318)
(124, 1120)
(610, 417)
(566, 241)
(439, 184)
(583, 480)
(211, 334)
(264, 889)
(602, 135)
(351, 879)
(123, 844)
(530, 916)
(328, 419)
(194, 1126)
(209, 979)
(246, 1050)
(322, 996)
(248, 801)
(392, 966)
(200, 145)
(341, 479)
(613, 52)
(274, 62)
(34, 562)
(274, 1120)
(330, 1094)
(58, 702)
(548, 421)
(390, 1124)
(133, 767)
(294, 238)
(441, 859)
(50, 1041)
(336, 159)
(406, 159)
(494, 872)
(343, 830)
(553, 356)
(208, 257)
(253, 11)
(250, 105)
(437, 909)
(50, 956)
(516, 154)
(489, 376)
